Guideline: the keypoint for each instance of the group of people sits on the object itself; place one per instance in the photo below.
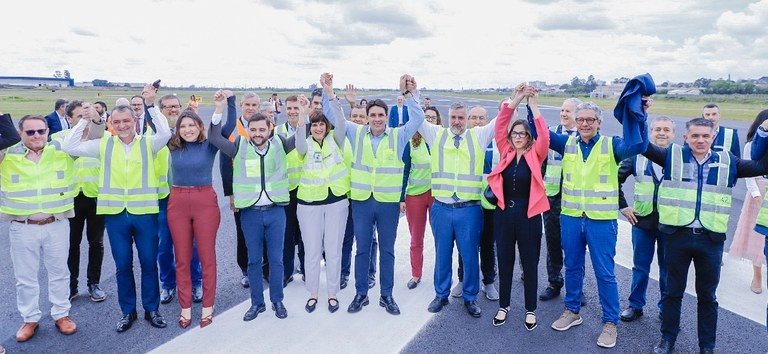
(322, 181)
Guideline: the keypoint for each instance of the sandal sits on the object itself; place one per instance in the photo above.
(530, 321)
(184, 322)
(500, 321)
(206, 320)
(310, 306)
(333, 307)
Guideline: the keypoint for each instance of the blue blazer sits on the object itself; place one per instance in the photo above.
(394, 119)
(54, 125)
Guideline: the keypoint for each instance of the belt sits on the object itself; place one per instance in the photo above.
(458, 205)
(697, 230)
(262, 207)
(42, 222)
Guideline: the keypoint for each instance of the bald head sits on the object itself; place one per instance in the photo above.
(478, 117)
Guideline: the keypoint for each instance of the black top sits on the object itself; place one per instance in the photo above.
(517, 180)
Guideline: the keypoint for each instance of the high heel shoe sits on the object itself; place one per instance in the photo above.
(496, 320)
(184, 322)
(530, 321)
(757, 287)
(206, 320)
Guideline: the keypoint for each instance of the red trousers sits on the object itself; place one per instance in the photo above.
(193, 216)
(416, 207)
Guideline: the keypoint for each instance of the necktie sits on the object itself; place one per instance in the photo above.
(456, 140)
(138, 127)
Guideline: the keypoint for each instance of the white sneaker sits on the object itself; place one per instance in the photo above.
(490, 292)
(458, 290)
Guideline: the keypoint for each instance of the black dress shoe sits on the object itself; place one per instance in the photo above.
(253, 312)
(310, 306)
(126, 322)
(706, 350)
(357, 303)
(549, 293)
(472, 308)
(166, 295)
(333, 305)
(631, 314)
(344, 281)
(197, 294)
(663, 347)
(412, 284)
(155, 319)
(388, 302)
(280, 310)
(437, 304)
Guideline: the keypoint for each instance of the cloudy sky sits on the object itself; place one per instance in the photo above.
(445, 44)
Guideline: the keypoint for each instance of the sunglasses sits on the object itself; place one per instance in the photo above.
(38, 131)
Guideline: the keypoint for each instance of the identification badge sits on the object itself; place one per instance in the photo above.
(318, 157)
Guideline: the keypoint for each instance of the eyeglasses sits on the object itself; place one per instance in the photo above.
(173, 106)
(32, 132)
(589, 121)
(518, 134)
(430, 117)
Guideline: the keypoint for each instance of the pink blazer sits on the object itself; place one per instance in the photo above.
(535, 157)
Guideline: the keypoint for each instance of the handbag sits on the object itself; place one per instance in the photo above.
(489, 195)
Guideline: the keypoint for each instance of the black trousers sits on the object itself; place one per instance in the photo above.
(487, 251)
(512, 226)
(85, 212)
(242, 251)
(554, 248)
(292, 237)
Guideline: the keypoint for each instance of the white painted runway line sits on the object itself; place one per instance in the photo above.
(374, 331)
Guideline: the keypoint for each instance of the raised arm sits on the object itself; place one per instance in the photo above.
(231, 123)
(332, 108)
(215, 137)
(75, 146)
(416, 115)
(9, 136)
(657, 155)
(301, 130)
(540, 145)
(163, 132)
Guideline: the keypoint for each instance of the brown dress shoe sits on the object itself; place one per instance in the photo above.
(66, 325)
(26, 331)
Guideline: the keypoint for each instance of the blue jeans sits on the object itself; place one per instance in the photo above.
(259, 227)
(123, 230)
(165, 258)
(643, 242)
(578, 233)
(463, 225)
(385, 217)
(706, 252)
(346, 249)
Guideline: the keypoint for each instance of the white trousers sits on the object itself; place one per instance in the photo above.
(28, 244)
(322, 229)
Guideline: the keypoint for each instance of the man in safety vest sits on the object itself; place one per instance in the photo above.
(234, 127)
(644, 217)
(36, 191)
(589, 209)
(377, 177)
(478, 117)
(725, 139)
(553, 176)
(86, 183)
(694, 203)
(128, 196)
(458, 157)
(260, 190)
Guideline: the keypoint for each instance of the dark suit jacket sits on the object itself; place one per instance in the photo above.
(394, 119)
(54, 125)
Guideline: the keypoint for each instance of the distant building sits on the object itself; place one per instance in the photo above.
(31, 81)
(84, 84)
(607, 91)
(684, 92)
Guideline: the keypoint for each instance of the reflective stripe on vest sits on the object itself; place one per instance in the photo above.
(162, 166)
(678, 198)
(457, 170)
(124, 184)
(380, 175)
(644, 187)
(323, 168)
(28, 188)
(419, 177)
(590, 187)
(247, 174)
(86, 170)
